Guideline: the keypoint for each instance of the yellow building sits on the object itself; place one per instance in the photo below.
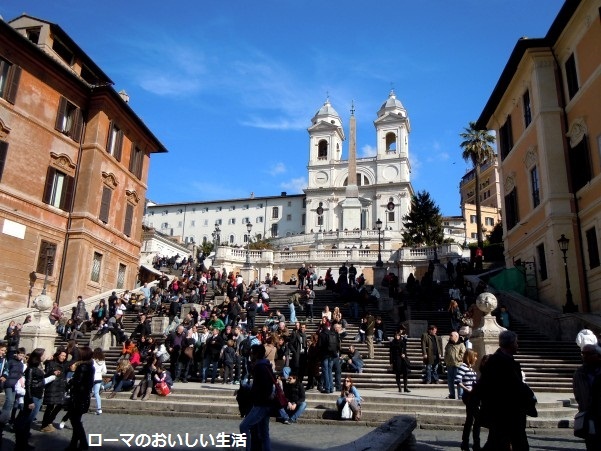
(546, 112)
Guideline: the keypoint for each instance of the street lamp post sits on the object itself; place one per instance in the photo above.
(320, 215)
(249, 227)
(49, 256)
(379, 263)
(570, 307)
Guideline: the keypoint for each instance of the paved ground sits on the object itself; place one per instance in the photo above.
(299, 437)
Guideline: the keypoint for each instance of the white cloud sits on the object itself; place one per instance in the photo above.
(295, 186)
(416, 164)
(368, 151)
(278, 168)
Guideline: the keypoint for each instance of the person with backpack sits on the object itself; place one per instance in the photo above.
(329, 345)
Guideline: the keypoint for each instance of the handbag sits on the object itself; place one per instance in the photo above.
(346, 413)
(189, 352)
(277, 395)
(162, 388)
(584, 426)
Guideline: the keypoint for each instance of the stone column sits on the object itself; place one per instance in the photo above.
(39, 333)
(485, 339)
(248, 274)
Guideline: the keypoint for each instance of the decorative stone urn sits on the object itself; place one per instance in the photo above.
(485, 339)
(39, 333)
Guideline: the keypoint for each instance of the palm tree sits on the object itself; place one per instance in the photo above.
(477, 148)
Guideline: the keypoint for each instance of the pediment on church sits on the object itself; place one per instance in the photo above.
(390, 118)
(323, 126)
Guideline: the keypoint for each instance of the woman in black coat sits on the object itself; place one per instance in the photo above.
(398, 358)
(34, 394)
(54, 393)
(80, 386)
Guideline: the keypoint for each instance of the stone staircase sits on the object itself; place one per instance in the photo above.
(549, 367)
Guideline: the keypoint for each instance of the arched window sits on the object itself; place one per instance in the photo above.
(322, 150)
(362, 180)
(390, 142)
(232, 238)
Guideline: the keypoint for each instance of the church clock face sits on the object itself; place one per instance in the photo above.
(321, 178)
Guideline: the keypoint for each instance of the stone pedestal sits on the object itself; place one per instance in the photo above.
(104, 341)
(415, 327)
(39, 333)
(485, 339)
(185, 310)
(159, 324)
(379, 273)
(248, 274)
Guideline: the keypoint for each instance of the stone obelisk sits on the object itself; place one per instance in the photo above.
(351, 206)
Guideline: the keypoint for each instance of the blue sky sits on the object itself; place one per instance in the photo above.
(229, 87)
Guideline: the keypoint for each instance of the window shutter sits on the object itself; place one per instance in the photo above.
(129, 214)
(3, 153)
(67, 194)
(118, 145)
(48, 186)
(109, 136)
(132, 158)
(12, 83)
(77, 126)
(62, 110)
(105, 204)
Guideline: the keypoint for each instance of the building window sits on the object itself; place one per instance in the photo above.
(33, 34)
(43, 258)
(303, 219)
(571, 76)
(246, 207)
(390, 216)
(121, 276)
(58, 190)
(136, 161)
(3, 156)
(218, 209)
(288, 217)
(542, 261)
(246, 237)
(390, 142)
(232, 208)
(232, 221)
(205, 223)
(164, 225)
(527, 108)
(219, 222)
(105, 204)
(96, 266)
(129, 218)
(580, 164)
(275, 213)
(69, 120)
(10, 75)
(115, 141)
(232, 239)
(473, 219)
(593, 248)
(259, 219)
(474, 235)
(259, 205)
(488, 221)
(274, 230)
(506, 138)
(305, 199)
(192, 223)
(534, 186)
(511, 209)
(322, 150)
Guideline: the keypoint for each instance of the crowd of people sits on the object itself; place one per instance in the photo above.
(224, 341)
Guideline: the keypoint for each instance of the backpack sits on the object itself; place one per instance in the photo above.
(244, 347)
(333, 342)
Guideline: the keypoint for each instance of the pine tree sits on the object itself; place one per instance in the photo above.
(423, 224)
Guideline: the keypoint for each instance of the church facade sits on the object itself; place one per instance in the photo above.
(342, 195)
(350, 212)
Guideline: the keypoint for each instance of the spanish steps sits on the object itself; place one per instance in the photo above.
(549, 366)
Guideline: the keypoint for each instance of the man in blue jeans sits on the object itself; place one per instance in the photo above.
(11, 373)
(257, 420)
(329, 346)
(453, 357)
(432, 354)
